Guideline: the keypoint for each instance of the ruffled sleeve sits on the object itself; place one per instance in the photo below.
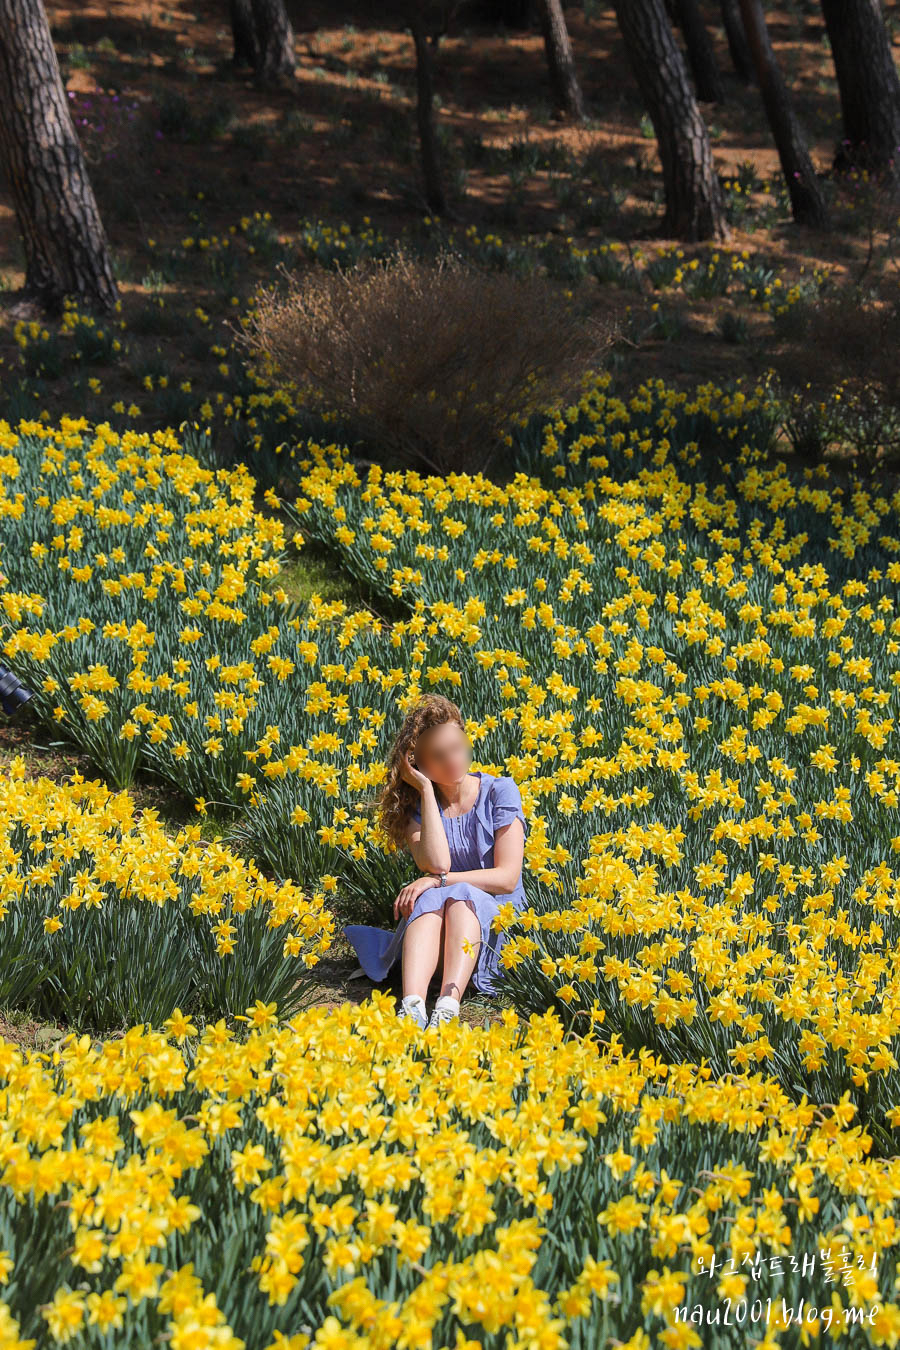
(506, 803)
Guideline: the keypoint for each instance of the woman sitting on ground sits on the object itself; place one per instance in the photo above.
(460, 828)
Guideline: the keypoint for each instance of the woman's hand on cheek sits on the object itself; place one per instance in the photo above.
(412, 774)
(410, 893)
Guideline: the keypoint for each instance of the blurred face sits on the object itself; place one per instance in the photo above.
(443, 754)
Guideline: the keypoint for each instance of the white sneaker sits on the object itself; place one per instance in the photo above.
(413, 1006)
(445, 1010)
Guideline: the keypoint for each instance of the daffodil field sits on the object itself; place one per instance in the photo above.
(686, 654)
(324, 1182)
(93, 886)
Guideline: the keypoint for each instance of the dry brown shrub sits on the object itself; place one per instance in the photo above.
(429, 359)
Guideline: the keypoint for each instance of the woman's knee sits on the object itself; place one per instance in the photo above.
(455, 907)
(415, 919)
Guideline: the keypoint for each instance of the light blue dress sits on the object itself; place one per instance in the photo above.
(471, 840)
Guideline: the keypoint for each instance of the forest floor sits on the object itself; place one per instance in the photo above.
(181, 142)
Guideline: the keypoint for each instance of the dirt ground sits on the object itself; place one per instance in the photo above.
(178, 139)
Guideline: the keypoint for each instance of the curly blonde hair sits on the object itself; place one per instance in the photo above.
(398, 797)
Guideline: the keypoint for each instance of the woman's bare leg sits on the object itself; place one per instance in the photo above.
(421, 944)
(460, 924)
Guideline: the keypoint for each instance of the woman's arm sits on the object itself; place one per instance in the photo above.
(491, 879)
(427, 838)
(509, 852)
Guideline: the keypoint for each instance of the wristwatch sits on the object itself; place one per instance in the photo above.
(442, 875)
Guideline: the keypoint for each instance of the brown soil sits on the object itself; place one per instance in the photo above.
(338, 144)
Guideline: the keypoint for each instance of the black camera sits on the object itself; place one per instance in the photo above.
(12, 692)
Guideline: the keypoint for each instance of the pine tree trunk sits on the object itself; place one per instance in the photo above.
(737, 40)
(807, 202)
(707, 78)
(66, 250)
(243, 32)
(695, 207)
(567, 98)
(868, 83)
(275, 42)
(431, 172)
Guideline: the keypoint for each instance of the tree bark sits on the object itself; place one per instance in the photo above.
(807, 202)
(275, 42)
(868, 83)
(431, 170)
(243, 32)
(695, 207)
(737, 40)
(567, 97)
(66, 249)
(707, 77)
